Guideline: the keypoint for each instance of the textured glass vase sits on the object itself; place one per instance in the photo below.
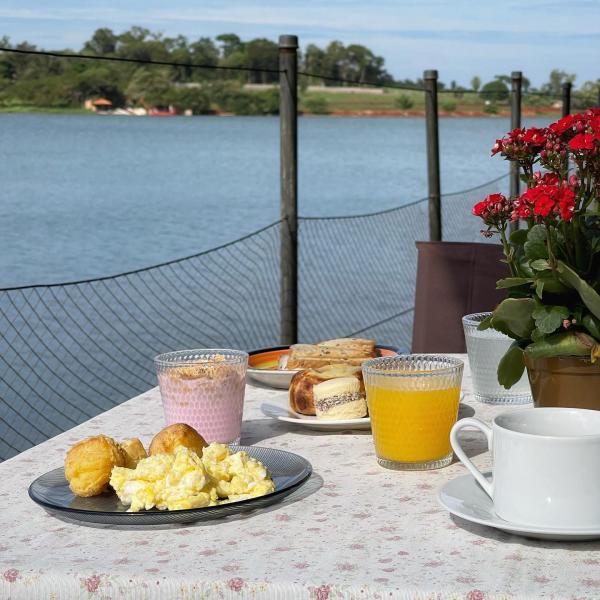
(485, 349)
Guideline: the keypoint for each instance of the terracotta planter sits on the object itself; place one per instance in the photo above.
(564, 381)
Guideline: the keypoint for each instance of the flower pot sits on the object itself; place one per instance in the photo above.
(564, 381)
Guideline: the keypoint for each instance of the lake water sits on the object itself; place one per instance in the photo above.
(85, 196)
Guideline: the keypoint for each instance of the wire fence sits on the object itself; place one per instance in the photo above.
(70, 351)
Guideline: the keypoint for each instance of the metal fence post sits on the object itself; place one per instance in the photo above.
(288, 131)
(433, 155)
(566, 98)
(515, 122)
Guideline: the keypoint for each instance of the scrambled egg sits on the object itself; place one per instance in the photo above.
(184, 480)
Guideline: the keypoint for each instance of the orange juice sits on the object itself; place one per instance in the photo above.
(412, 425)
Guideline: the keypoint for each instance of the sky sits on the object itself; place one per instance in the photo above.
(460, 38)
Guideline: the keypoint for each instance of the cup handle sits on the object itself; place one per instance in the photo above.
(464, 459)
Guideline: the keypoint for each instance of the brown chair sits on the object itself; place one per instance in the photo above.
(453, 279)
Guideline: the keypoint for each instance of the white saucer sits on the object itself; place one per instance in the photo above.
(288, 416)
(464, 498)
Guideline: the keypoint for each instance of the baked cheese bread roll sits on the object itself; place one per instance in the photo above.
(89, 463)
(134, 452)
(168, 439)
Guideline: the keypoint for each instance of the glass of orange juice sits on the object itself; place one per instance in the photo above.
(413, 403)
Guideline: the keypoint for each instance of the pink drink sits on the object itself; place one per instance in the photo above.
(204, 389)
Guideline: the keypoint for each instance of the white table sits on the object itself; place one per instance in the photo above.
(355, 530)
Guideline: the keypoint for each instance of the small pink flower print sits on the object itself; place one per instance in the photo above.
(92, 583)
(236, 584)
(475, 595)
(542, 579)
(11, 575)
(283, 517)
(207, 552)
(402, 553)
(433, 563)
(405, 499)
(346, 567)
(322, 592)
(591, 561)
(591, 583)
(301, 565)
(463, 579)
(357, 546)
(361, 515)
(514, 556)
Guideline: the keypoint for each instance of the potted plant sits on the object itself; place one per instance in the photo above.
(553, 306)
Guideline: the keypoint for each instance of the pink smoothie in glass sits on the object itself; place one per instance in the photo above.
(209, 397)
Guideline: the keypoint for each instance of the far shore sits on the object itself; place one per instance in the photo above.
(367, 113)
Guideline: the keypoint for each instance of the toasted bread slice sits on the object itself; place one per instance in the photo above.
(357, 346)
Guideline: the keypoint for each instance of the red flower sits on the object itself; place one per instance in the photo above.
(535, 136)
(521, 210)
(498, 147)
(563, 124)
(546, 178)
(543, 205)
(566, 203)
(582, 141)
(493, 208)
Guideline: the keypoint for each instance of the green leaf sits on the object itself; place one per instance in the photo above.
(525, 269)
(588, 294)
(549, 318)
(518, 237)
(513, 317)
(539, 288)
(485, 324)
(509, 282)
(566, 343)
(540, 264)
(535, 250)
(511, 366)
(592, 325)
(537, 233)
(551, 283)
(537, 335)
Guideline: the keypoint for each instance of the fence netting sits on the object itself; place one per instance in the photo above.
(71, 351)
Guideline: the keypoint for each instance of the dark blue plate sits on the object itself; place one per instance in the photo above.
(51, 490)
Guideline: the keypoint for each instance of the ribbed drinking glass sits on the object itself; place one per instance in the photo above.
(204, 389)
(485, 349)
(413, 403)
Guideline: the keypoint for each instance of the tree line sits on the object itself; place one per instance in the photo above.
(42, 81)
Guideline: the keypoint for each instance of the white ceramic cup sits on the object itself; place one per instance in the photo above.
(546, 466)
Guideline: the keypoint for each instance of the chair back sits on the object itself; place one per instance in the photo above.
(453, 279)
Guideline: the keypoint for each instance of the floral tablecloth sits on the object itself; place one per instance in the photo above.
(355, 530)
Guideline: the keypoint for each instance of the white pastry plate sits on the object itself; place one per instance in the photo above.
(464, 498)
(286, 415)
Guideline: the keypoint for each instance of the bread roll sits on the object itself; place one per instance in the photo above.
(168, 439)
(302, 398)
(88, 464)
(134, 452)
